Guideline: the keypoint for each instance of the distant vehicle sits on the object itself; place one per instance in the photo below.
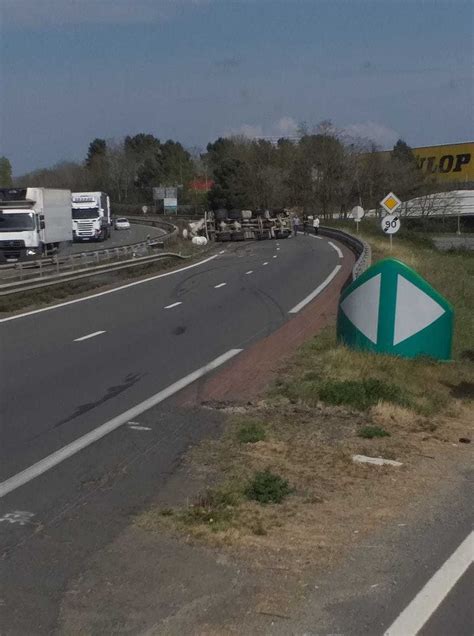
(90, 216)
(122, 224)
(33, 222)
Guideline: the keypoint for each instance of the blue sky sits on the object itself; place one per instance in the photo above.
(193, 70)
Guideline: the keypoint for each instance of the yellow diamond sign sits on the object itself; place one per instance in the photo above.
(390, 203)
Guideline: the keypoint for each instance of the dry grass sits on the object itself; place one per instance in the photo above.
(422, 404)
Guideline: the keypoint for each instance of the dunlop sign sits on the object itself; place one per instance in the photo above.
(453, 162)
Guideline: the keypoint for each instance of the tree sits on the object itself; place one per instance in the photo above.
(5, 173)
(97, 150)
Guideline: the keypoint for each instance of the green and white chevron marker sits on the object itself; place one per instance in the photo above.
(392, 309)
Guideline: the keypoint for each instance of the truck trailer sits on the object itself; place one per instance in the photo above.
(90, 216)
(33, 222)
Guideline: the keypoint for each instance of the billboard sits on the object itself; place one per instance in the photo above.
(450, 162)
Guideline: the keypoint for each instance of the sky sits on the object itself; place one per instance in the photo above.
(194, 70)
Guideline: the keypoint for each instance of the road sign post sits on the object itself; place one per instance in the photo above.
(357, 214)
(391, 309)
(390, 222)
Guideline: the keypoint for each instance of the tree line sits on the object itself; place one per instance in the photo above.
(322, 172)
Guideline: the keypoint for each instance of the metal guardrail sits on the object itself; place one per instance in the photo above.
(45, 267)
(360, 247)
(30, 284)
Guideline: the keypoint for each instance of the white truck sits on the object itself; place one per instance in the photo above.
(90, 216)
(33, 222)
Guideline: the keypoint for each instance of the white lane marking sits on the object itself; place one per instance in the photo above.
(222, 252)
(275, 256)
(417, 613)
(89, 335)
(219, 285)
(109, 291)
(18, 516)
(249, 272)
(278, 249)
(138, 427)
(314, 293)
(266, 263)
(173, 305)
(340, 254)
(71, 449)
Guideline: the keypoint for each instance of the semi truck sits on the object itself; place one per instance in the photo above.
(33, 222)
(90, 216)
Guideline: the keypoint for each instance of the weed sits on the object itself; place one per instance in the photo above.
(369, 432)
(361, 394)
(166, 512)
(250, 432)
(259, 529)
(266, 487)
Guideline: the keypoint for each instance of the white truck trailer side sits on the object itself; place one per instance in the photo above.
(33, 222)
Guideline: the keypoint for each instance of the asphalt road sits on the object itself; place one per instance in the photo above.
(135, 234)
(68, 371)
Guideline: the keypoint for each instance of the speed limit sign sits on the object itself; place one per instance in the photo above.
(390, 224)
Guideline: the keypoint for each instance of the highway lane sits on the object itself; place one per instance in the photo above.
(57, 387)
(135, 234)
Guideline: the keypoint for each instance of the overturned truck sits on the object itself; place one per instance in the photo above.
(242, 225)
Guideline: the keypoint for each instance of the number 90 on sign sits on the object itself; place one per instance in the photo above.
(390, 224)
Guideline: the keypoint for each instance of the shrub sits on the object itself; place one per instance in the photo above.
(369, 432)
(361, 394)
(266, 487)
(251, 432)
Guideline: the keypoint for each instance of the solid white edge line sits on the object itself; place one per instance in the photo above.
(173, 305)
(90, 335)
(314, 293)
(67, 451)
(340, 254)
(219, 285)
(430, 597)
(109, 291)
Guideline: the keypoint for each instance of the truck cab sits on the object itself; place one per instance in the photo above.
(90, 216)
(33, 222)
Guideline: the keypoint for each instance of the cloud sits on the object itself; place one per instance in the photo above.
(250, 131)
(39, 14)
(378, 133)
(287, 127)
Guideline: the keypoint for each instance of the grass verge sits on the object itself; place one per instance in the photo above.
(329, 403)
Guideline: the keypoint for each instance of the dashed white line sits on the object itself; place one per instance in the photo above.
(222, 252)
(428, 599)
(315, 293)
(336, 248)
(274, 256)
(110, 291)
(173, 305)
(266, 263)
(249, 272)
(278, 249)
(89, 335)
(71, 449)
(138, 427)
(219, 285)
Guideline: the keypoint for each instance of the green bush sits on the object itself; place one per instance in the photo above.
(266, 487)
(251, 432)
(361, 394)
(369, 432)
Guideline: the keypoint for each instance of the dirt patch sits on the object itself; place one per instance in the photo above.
(333, 499)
